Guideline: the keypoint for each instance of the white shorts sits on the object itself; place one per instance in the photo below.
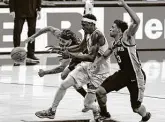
(83, 76)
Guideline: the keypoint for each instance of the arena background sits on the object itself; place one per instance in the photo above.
(150, 37)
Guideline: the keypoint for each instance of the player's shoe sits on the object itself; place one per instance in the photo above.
(96, 116)
(104, 116)
(146, 118)
(16, 64)
(107, 115)
(85, 109)
(46, 114)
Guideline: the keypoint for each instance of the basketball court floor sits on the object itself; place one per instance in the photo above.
(23, 92)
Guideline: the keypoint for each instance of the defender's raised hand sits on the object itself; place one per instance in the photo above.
(121, 2)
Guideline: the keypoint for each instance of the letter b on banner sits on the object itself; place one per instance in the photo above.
(5, 30)
(64, 21)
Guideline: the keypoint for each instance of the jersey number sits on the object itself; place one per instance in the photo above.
(118, 59)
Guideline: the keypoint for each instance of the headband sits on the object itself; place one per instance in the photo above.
(89, 20)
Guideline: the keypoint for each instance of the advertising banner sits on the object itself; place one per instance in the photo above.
(150, 34)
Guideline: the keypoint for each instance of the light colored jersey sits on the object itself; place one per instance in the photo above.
(87, 72)
(105, 66)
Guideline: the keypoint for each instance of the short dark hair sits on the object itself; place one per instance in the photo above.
(90, 16)
(67, 34)
(121, 24)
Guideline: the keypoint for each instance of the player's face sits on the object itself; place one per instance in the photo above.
(114, 30)
(86, 26)
(64, 42)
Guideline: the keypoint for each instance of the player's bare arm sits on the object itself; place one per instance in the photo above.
(107, 53)
(87, 57)
(55, 31)
(97, 41)
(56, 70)
(136, 21)
(73, 48)
(77, 48)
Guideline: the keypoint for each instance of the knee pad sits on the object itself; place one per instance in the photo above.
(100, 92)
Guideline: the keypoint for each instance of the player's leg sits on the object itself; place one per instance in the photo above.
(89, 101)
(80, 90)
(102, 100)
(90, 104)
(95, 82)
(65, 73)
(50, 113)
(136, 90)
(114, 82)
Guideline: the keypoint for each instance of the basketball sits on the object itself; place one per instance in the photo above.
(18, 55)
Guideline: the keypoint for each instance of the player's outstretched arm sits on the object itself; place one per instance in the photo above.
(55, 31)
(93, 51)
(136, 21)
(87, 57)
(76, 48)
(56, 70)
(107, 53)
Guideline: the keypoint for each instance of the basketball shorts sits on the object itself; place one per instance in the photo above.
(83, 76)
(121, 79)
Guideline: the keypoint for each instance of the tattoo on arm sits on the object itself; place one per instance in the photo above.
(45, 30)
(55, 70)
(77, 48)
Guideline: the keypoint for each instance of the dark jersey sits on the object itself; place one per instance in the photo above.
(127, 58)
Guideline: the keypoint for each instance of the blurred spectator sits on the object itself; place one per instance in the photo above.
(6, 1)
(22, 10)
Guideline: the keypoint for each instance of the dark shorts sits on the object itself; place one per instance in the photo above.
(122, 79)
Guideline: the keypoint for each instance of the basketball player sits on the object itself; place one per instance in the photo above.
(130, 74)
(85, 72)
(66, 38)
